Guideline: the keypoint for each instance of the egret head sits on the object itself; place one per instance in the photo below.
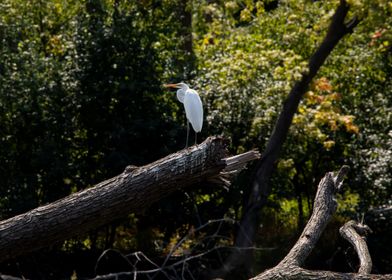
(181, 89)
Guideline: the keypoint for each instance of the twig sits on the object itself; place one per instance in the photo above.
(186, 237)
(173, 265)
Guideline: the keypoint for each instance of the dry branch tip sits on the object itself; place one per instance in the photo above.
(339, 177)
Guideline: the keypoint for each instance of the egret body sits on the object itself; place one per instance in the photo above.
(193, 107)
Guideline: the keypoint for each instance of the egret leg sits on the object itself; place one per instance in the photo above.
(195, 138)
(187, 133)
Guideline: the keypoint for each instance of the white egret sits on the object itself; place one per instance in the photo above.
(193, 107)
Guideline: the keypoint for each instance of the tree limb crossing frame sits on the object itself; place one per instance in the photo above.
(133, 191)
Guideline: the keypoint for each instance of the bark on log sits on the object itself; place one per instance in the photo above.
(130, 192)
(260, 188)
(324, 207)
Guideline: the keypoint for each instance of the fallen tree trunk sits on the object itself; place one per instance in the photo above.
(325, 205)
(130, 192)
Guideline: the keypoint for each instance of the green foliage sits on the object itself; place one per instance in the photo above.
(35, 113)
(80, 96)
(251, 61)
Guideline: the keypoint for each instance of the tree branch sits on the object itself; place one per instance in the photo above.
(130, 192)
(260, 188)
(355, 233)
(324, 207)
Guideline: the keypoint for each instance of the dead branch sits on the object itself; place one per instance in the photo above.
(355, 233)
(259, 189)
(380, 213)
(234, 165)
(130, 192)
(324, 207)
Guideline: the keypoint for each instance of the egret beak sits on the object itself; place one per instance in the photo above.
(171, 85)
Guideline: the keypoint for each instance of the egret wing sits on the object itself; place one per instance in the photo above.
(181, 95)
(194, 109)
